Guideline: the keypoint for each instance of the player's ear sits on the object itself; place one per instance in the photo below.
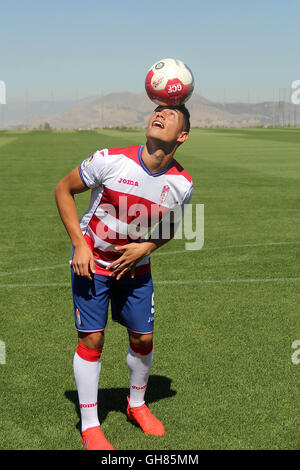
(183, 136)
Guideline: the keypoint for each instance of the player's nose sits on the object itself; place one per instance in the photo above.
(159, 114)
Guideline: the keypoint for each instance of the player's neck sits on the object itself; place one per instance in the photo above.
(157, 157)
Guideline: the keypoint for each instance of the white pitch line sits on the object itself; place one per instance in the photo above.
(30, 270)
(46, 284)
(176, 282)
(44, 268)
(248, 245)
(228, 281)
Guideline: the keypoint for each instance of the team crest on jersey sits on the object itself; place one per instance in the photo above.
(164, 193)
(78, 316)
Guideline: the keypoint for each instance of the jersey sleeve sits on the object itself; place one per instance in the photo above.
(188, 195)
(92, 170)
(178, 212)
(187, 198)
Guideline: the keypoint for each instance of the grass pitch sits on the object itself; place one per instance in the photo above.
(226, 316)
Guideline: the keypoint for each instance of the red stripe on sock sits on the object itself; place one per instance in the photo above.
(88, 354)
(142, 350)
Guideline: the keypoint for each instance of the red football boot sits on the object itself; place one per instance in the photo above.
(145, 419)
(93, 439)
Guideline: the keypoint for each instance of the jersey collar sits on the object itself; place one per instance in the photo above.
(146, 169)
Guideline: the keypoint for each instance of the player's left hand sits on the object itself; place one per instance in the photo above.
(132, 254)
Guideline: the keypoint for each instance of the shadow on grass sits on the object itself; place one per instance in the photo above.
(114, 399)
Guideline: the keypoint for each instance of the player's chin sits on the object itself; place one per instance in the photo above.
(157, 133)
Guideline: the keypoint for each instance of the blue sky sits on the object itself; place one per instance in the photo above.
(237, 49)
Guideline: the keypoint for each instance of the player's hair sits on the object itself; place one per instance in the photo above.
(184, 111)
(186, 115)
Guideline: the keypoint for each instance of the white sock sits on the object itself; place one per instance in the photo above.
(86, 375)
(139, 366)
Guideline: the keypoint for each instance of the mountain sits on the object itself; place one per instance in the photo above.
(20, 111)
(126, 109)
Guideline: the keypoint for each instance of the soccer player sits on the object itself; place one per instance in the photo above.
(133, 189)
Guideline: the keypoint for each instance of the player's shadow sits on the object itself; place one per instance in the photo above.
(114, 399)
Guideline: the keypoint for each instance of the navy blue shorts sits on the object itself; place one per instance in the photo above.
(131, 300)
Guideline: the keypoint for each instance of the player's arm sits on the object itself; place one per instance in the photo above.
(132, 253)
(71, 184)
(135, 252)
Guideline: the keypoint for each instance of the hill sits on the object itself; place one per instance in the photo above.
(126, 109)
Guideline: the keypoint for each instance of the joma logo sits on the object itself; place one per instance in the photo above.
(88, 405)
(131, 182)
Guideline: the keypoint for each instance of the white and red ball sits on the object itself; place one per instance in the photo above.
(169, 82)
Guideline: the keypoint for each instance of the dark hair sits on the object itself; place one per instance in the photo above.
(184, 111)
(186, 115)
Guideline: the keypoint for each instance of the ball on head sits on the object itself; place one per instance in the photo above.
(169, 82)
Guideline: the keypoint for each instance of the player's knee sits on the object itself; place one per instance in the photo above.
(143, 341)
(92, 340)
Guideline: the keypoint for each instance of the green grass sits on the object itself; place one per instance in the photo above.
(222, 376)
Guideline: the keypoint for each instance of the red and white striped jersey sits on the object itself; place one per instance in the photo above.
(126, 197)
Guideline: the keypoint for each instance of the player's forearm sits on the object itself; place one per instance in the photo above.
(157, 238)
(68, 213)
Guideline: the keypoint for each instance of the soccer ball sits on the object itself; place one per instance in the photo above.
(169, 82)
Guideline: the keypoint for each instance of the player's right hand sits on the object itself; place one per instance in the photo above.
(83, 262)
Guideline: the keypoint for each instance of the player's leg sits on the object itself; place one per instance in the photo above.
(133, 307)
(90, 307)
(91, 340)
(87, 368)
(139, 360)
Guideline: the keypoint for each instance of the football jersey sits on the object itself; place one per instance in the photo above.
(127, 201)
